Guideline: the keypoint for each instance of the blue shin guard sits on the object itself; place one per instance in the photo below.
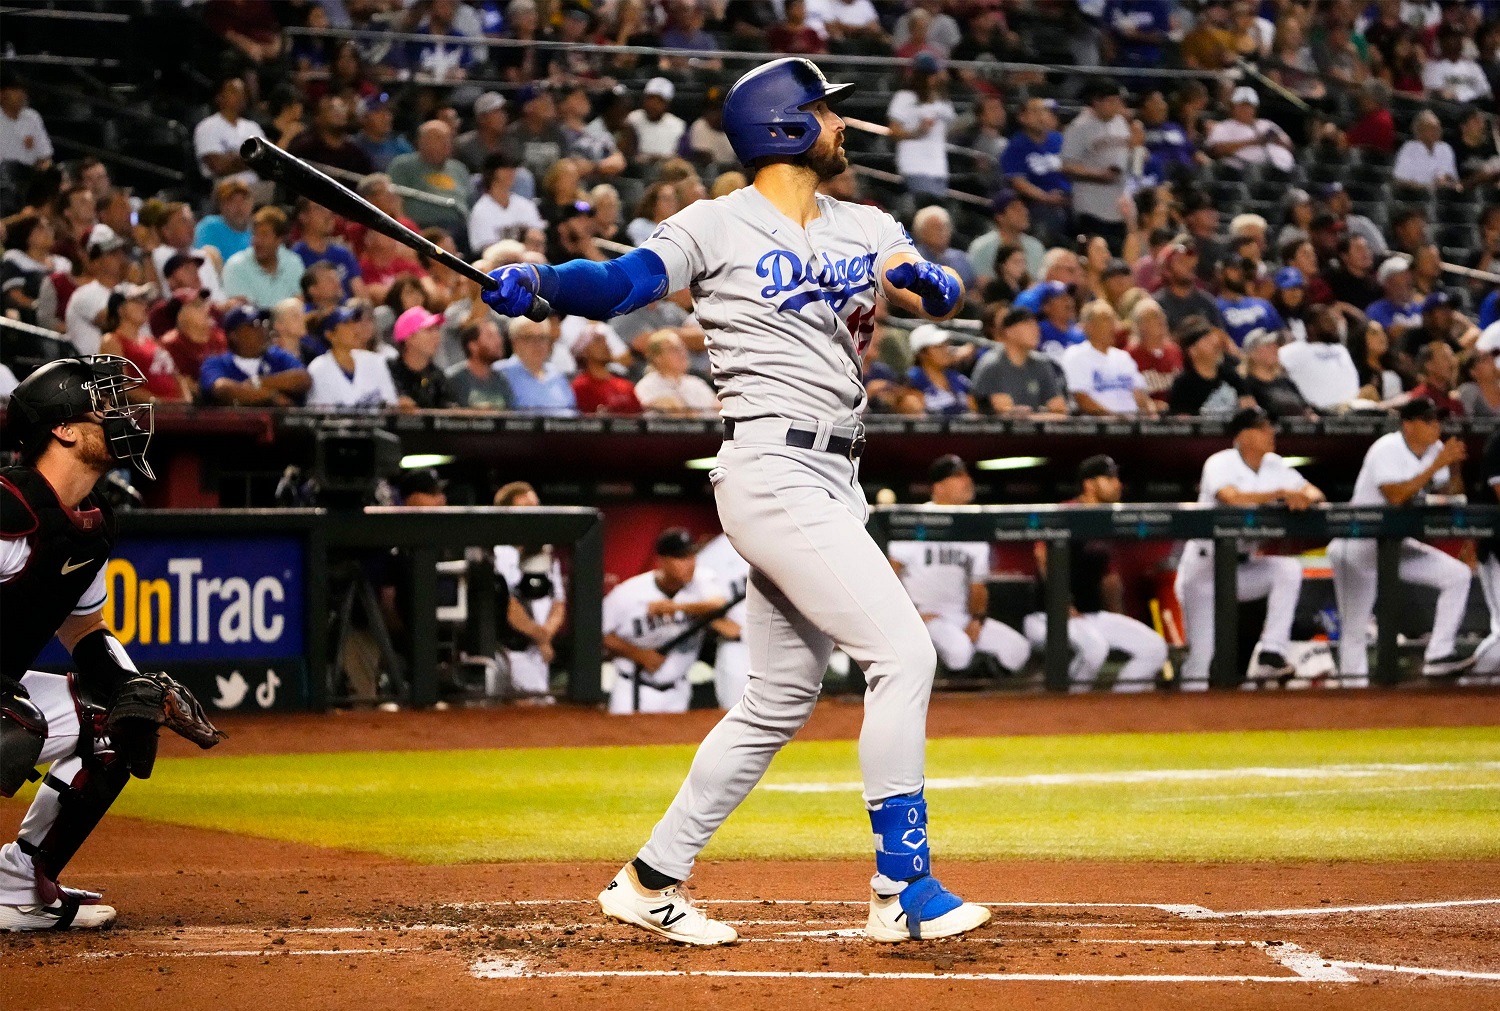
(901, 854)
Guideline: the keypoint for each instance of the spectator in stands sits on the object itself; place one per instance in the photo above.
(74, 219)
(385, 261)
(267, 272)
(592, 148)
(322, 291)
(377, 136)
(1032, 166)
(605, 199)
(1102, 379)
(1487, 256)
(1384, 371)
(127, 335)
(328, 141)
(1480, 392)
(1320, 366)
(853, 26)
(1014, 379)
(983, 130)
(254, 371)
(1373, 128)
(537, 383)
(1210, 44)
(1335, 52)
(1011, 277)
(1338, 203)
(1200, 219)
(1290, 301)
(177, 232)
(431, 168)
(793, 34)
(1437, 370)
(932, 231)
(596, 388)
(919, 117)
(437, 57)
(349, 375)
(1165, 139)
(487, 138)
(1179, 295)
(944, 389)
(1408, 230)
(668, 386)
(1400, 309)
(1351, 278)
(926, 26)
(1247, 140)
(1452, 76)
(1302, 255)
(536, 140)
(319, 246)
(1241, 311)
(637, 326)
(1267, 381)
(191, 337)
(288, 327)
(685, 31)
(658, 203)
(500, 213)
(475, 382)
(88, 307)
(228, 232)
(707, 144)
(1095, 153)
(416, 378)
(1475, 150)
(1207, 385)
(1152, 348)
(1426, 162)
(1058, 314)
(217, 138)
(1139, 30)
(28, 262)
(658, 132)
(1442, 322)
(23, 135)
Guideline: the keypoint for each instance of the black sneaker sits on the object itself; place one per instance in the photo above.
(1447, 666)
(1271, 666)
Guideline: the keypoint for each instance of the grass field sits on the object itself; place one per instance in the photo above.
(1353, 795)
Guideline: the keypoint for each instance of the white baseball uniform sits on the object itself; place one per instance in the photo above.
(665, 690)
(937, 576)
(370, 385)
(787, 310)
(1276, 578)
(732, 658)
(1390, 460)
(529, 673)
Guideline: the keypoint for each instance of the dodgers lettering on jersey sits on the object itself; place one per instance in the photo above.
(937, 575)
(786, 310)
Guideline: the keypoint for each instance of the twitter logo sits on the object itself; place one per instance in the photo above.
(232, 690)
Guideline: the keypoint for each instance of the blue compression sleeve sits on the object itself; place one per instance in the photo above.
(602, 290)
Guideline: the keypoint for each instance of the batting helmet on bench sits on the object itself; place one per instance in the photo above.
(765, 113)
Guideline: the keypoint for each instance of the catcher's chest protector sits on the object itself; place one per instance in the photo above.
(68, 548)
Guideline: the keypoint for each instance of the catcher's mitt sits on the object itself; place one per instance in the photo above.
(154, 699)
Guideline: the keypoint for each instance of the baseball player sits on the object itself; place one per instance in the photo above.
(1094, 628)
(947, 580)
(1400, 468)
(784, 282)
(1249, 473)
(538, 601)
(732, 657)
(1487, 656)
(96, 727)
(645, 621)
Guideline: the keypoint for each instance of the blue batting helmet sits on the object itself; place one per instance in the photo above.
(765, 112)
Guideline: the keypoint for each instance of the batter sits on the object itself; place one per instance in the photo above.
(784, 282)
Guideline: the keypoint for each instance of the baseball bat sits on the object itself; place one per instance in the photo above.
(301, 178)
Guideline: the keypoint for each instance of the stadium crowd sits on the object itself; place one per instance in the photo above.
(1191, 245)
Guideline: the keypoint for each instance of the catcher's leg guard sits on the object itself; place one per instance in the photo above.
(72, 799)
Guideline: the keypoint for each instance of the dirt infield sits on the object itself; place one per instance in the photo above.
(217, 920)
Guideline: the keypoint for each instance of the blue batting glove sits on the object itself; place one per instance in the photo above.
(518, 286)
(937, 287)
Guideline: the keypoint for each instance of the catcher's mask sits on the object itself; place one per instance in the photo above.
(91, 388)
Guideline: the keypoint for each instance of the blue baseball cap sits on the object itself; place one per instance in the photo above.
(1039, 294)
(242, 315)
(345, 313)
(1290, 277)
(1437, 300)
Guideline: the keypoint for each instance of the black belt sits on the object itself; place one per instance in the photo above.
(799, 438)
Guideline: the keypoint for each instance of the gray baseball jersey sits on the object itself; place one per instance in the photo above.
(787, 311)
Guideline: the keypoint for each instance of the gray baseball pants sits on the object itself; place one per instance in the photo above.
(817, 579)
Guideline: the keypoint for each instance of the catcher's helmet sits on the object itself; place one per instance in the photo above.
(92, 387)
(765, 113)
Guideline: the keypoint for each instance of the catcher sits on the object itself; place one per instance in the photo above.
(97, 727)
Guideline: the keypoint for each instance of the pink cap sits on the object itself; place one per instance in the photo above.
(414, 319)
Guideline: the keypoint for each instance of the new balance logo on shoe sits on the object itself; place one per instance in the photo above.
(667, 918)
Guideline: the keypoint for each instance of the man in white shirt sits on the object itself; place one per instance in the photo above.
(1102, 379)
(84, 318)
(1320, 367)
(1246, 139)
(1399, 469)
(657, 130)
(499, 213)
(918, 117)
(217, 138)
(177, 240)
(1426, 161)
(349, 374)
(1451, 76)
(1249, 473)
(23, 135)
(538, 602)
(949, 583)
(645, 619)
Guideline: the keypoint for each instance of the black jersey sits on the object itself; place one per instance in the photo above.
(68, 549)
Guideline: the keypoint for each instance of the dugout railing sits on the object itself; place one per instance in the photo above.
(1059, 526)
(423, 536)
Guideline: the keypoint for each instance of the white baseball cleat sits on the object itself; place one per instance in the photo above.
(669, 912)
(921, 912)
(64, 914)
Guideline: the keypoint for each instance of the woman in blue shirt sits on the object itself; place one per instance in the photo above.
(944, 389)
